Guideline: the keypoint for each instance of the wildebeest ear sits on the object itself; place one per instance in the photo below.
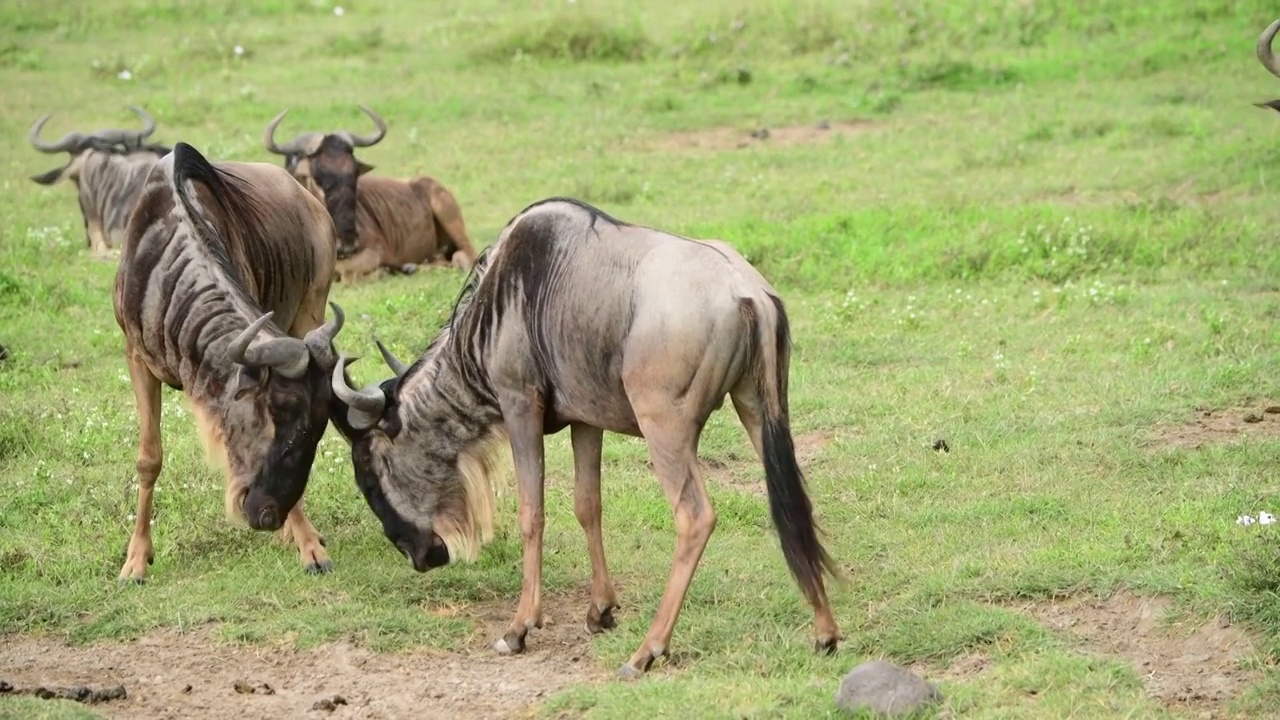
(1273, 104)
(50, 177)
(362, 168)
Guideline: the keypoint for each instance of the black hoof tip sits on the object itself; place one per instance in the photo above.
(320, 568)
(601, 622)
(826, 647)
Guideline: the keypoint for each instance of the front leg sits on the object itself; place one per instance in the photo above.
(146, 393)
(523, 415)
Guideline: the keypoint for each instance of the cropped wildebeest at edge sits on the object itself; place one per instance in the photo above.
(382, 223)
(573, 318)
(1268, 59)
(219, 262)
(108, 168)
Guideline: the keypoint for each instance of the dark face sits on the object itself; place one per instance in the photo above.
(373, 456)
(271, 429)
(333, 171)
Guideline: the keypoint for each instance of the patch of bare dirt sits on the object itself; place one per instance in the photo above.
(748, 475)
(171, 674)
(1193, 668)
(1260, 420)
(727, 138)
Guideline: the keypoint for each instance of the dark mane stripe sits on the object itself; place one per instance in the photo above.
(237, 208)
(594, 212)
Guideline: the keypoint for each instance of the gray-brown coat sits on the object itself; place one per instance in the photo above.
(220, 293)
(575, 319)
(108, 169)
(382, 223)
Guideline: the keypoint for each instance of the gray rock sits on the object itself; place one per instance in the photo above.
(885, 689)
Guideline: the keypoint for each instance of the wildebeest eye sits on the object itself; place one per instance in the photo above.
(250, 379)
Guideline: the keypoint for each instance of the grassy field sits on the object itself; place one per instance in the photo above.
(1048, 235)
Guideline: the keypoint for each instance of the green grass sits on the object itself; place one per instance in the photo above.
(1056, 232)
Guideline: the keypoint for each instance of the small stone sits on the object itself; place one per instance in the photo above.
(884, 688)
(267, 689)
(1252, 417)
(324, 704)
(760, 133)
(186, 689)
(823, 125)
(1271, 409)
(941, 445)
(243, 687)
(5, 687)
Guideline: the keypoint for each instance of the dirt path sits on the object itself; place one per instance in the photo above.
(171, 674)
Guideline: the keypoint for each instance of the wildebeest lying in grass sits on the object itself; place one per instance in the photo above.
(1268, 59)
(573, 318)
(218, 263)
(108, 168)
(382, 223)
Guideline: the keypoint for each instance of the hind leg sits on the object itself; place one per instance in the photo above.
(750, 409)
(673, 449)
(587, 442)
(451, 231)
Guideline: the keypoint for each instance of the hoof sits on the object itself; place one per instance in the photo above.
(629, 672)
(599, 621)
(409, 268)
(323, 567)
(130, 581)
(826, 647)
(509, 644)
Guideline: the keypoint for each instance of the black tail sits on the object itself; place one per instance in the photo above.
(788, 502)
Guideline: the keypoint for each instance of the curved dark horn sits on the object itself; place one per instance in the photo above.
(397, 366)
(69, 142)
(148, 121)
(365, 405)
(1264, 48)
(286, 355)
(367, 140)
(293, 147)
(320, 340)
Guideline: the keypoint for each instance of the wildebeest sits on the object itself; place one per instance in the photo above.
(382, 223)
(1267, 59)
(218, 264)
(108, 168)
(574, 318)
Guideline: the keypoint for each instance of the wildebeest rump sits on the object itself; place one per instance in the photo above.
(220, 293)
(382, 223)
(108, 169)
(575, 319)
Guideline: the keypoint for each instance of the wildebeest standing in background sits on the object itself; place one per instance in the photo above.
(219, 262)
(382, 223)
(573, 318)
(108, 168)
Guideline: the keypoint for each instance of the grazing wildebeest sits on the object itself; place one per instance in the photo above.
(382, 223)
(573, 318)
(108, 168)
(220, 293)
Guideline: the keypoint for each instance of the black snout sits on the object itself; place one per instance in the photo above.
(425, 556)
(262, 512)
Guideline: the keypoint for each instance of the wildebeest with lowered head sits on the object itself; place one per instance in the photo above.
(573, 318)
(108, 168)
(382, 223)
(220, 293)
